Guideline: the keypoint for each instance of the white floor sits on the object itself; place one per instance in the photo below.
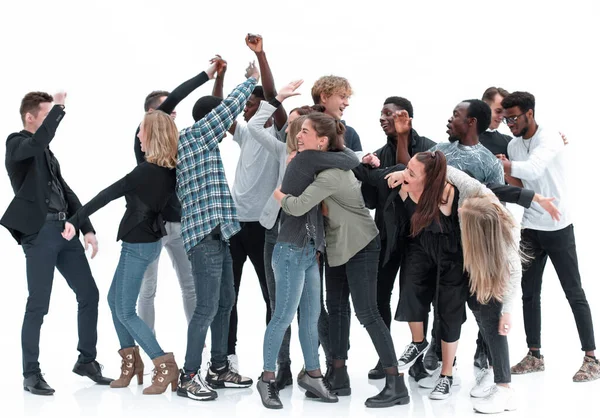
(539, 394)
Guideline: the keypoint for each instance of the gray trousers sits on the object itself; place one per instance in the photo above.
(183, 268)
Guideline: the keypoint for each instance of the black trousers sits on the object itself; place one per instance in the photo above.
(249, 242)
(488, 317)
(386, 278)
(560, 247)
(45, 251)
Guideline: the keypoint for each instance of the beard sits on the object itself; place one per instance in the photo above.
(453, 138)
(525, 129)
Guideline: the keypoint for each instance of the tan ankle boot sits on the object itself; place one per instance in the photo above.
(131, 365)
(165, 372)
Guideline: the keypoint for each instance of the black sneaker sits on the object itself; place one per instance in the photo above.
(442, 388)
(226, 378)
(191, 385)
(411, 353)
(269, 394)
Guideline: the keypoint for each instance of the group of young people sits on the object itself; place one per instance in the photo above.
(299, 209)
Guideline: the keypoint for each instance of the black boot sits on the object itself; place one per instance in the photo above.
(394, 393)
(284, 376)
(417, 371)
(37, 385)
(480, 360)
(430, 360)
(377, 372)
(93, 370)
(339, 382)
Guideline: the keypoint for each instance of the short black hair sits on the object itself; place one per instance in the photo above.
(522, 99)
(481, 111)
(258, 92)
(204, 105)
(401, 102)
(151, 101)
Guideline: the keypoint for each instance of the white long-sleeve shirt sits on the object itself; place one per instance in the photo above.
(541, 165)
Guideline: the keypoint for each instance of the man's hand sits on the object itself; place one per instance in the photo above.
(90, 239)
(394, 179)
(252, 71)
(221, 65)
(371, 159)
(59, 98)
(69, 232)
(289, 90)
(548, 206)
(254, 42)
(402, 122)
(211, 71)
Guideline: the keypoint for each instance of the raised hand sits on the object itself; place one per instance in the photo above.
(211, 71)
(289, 90)
(221, 65)
(564, 138)
(254, 42)
(252, 71)
(59, 98)
(401, 121)
(394, 179)
(69, 231)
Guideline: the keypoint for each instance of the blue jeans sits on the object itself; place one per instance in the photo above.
(213, 278)
(297, 284)
(123, 295)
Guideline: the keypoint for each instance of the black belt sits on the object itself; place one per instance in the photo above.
(60, 216)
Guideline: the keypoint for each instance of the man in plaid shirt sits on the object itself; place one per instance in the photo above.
(208, 220)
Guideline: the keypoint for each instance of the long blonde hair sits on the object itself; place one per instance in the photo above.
(161, 139)
(487, 236)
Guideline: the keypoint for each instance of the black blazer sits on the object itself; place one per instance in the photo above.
(31, 179)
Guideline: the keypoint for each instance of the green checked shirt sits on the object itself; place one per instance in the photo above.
(202, 186)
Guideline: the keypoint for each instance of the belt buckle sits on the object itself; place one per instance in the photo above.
(62, 216)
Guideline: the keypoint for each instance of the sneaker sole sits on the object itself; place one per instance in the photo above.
(439, 397)
(526, 371)
(272, 406)
(338, 392)
(229, 385)
(308, 389)
(402, 401)
(185, 394)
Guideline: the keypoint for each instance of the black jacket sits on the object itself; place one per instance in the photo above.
(31, 179)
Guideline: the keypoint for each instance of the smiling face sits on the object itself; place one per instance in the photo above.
(386, 119)
(517, 120)
(335, 104)
(309, 140)
(497, 111)
(414, 176)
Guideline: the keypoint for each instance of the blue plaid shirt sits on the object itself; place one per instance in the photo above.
(202, 186)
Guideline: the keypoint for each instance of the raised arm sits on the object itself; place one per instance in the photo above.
(256, 126)
(402, 124)
(19, 148)
(255, 43)
(221, 70)
(326, 183)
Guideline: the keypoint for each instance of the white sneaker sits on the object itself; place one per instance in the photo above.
(431, 381)
(234, 364)
(484, 383)
(499, 400)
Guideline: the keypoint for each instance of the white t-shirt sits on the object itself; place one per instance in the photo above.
(255, 175)
(541, 165)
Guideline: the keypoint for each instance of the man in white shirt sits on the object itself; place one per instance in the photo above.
(537, 161)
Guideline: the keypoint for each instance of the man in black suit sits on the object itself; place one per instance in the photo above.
(35, 218)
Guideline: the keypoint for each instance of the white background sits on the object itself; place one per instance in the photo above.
(108, 55)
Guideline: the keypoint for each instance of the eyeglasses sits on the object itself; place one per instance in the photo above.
(512, 120)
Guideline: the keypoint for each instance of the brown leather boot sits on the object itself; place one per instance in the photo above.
(131, 365)
(165, 372)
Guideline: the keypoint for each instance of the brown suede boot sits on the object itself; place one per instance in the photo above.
(131, 365)
(165, 372)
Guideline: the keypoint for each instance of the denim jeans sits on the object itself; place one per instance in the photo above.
(488, 317)
(270, 241)
(173, 243)
(297, 285)
(358, 277)
(124, 292)
(213, 278)
(560, 247)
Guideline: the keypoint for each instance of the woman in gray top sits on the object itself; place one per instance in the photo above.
(353, 249)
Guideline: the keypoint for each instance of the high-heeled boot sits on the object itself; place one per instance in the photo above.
(131, 365)
(394, 393)
(165, 372)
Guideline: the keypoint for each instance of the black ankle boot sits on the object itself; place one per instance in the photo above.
(339, 381)
(417, 371)
(394, 393)
(284, 376)
(377, 372)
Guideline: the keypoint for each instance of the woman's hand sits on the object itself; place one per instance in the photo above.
(546, 203)
(505, 324)
(278, 195)
(69, 231)
(290, 157)
(289, 90)
(394, 179)
(372, 160)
